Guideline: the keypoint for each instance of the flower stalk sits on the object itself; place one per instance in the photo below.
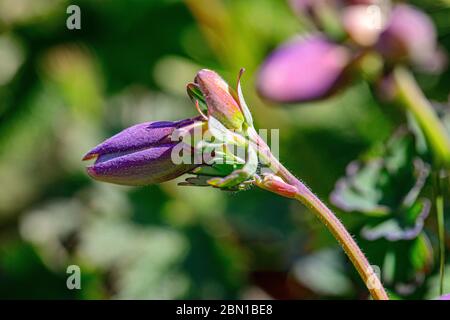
(294, 188)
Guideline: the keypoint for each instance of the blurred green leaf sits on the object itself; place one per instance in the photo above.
(324, 273)
(386, 188)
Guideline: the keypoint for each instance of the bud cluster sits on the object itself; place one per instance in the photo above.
(371, 36)
(220, 146)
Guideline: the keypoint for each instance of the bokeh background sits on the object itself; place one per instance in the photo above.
(64, 91)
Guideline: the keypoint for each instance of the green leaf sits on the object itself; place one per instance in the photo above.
(385, 184)
(403, 263)
(421, 254)
(244, 108)
(215, 170)
(324, 273)
(404, 226)
(195, 94)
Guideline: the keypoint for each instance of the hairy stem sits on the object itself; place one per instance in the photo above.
(329, 219)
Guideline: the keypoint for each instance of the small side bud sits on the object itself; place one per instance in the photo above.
(276, 185)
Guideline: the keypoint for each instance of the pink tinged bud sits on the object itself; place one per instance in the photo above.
(409, 36)
(276, 185)
(363, 23)
(220, 99)
(303, 70)
(139, 155)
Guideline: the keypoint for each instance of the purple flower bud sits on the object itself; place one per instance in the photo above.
(139, 155)
(409, 36)
(303, 70)
(220, 99)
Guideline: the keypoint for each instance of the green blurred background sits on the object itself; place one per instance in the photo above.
(64, 91)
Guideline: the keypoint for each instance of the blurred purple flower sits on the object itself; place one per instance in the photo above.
(139, 155)
(303, 70)
(409, 36)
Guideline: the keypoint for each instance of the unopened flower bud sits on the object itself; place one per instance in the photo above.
(409, 36)
(139, 155)
(276, 185)
(303, 70)
(220, 99)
